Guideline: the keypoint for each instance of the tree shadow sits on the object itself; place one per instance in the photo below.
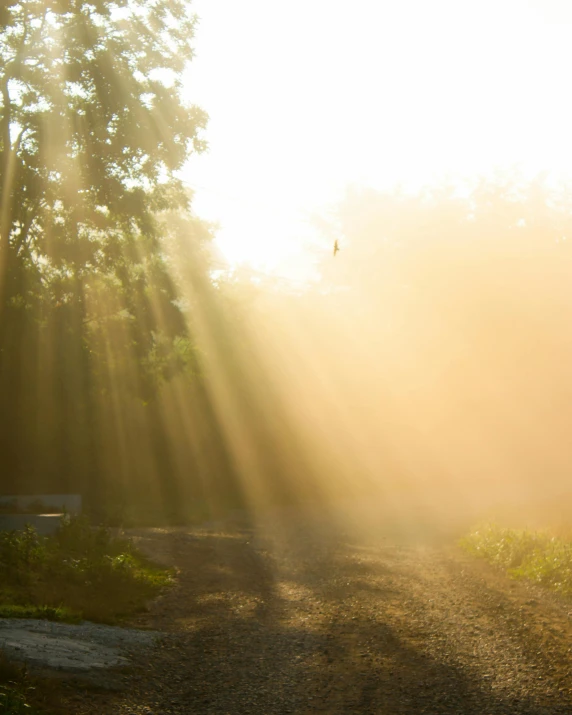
(256, 631)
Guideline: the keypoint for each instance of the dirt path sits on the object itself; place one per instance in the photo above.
(295, 621)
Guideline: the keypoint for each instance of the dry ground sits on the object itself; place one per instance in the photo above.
(299, 619)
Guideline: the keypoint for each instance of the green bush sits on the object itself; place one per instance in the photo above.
(21, 552)
(533, 555)
(79, 571)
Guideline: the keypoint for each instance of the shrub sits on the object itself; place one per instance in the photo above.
(21, 552)
(77, 571)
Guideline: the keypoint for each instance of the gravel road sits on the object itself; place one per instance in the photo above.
(301, 620)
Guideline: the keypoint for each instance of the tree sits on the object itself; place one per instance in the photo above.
(93, 130)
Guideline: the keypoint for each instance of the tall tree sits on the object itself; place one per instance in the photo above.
(92, 126)
(93, 130)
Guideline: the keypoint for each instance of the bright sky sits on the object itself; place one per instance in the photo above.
(308, 96)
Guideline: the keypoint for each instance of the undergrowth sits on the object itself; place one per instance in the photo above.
(16, 690)
(14, 701)
(77, 573)
(533, 555)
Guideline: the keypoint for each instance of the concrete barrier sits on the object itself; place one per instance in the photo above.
(69, 503)
(44, 524)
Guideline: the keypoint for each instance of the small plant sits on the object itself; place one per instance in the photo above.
(533, 555)
(21, 552)
(15, 690)
(79, 572)
(14, 701)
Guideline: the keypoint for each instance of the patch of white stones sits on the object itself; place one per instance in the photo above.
(73, 648)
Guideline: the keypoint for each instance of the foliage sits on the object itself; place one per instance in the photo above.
(60, 614)
(78, 572)
(93, 125)
(14, 700)
(20, 553)
(94, 129)
(18, 692)
(531, 555)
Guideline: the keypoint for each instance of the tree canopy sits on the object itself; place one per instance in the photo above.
(94, 129)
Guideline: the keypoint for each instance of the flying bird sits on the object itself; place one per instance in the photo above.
(336, 247)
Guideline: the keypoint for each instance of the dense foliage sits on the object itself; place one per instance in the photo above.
(93, 130)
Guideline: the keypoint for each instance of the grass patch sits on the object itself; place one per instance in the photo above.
(79, 572)
(48, 613)
(533, 555)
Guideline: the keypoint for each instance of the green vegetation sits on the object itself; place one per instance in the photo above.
(47, 613)
(14, 701)
(78, 573)
(16, 690)
(533, 555)
(94, 130)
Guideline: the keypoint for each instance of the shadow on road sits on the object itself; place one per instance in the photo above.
(302, 623)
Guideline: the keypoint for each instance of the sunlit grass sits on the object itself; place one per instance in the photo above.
(532, 555)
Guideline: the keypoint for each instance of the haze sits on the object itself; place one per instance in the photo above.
(309, 97)
(423, 367)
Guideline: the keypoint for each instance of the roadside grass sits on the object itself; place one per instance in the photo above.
(48, 613)
(78, 573)
(532, 555)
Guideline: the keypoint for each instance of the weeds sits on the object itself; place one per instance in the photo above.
(79, 572)
(532, 555)
(15, 690)
(14, 700)
(48, 613)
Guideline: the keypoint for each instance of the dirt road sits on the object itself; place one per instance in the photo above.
(296, 620)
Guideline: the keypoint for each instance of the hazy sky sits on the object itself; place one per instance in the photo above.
(307, 96)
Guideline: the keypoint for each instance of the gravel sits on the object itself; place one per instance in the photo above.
(297, 620)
